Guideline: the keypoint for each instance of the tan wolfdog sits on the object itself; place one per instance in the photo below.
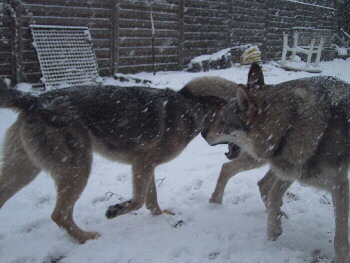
(58, 131)
(301, 128)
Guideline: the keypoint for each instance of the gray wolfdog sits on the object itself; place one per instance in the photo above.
(57, 131)
(301, 128)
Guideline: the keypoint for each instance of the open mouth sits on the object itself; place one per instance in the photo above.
(233, 151)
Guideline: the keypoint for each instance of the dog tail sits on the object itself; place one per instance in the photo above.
(15, 99)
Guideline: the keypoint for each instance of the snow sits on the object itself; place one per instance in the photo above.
(342, 51)
(199, 232)
(25, 87)
(218, 55)
(214, 56)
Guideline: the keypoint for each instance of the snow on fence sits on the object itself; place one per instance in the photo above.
(121, 30)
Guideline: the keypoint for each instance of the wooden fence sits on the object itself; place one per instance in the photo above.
(121, 30)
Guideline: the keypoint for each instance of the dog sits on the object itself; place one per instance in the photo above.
(58, 131)
(301, 128)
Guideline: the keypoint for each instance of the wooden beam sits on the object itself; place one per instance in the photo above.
(13, 45)
(181, 33)
(115, 37)
(17, 41)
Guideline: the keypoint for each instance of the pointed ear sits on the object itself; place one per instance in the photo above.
(242, 98)
(255, 77)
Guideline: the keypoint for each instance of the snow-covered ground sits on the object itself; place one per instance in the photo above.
(199, 232)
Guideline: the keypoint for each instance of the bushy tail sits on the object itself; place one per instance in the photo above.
(15, 99)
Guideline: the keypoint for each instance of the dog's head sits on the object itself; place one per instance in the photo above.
(212, 92)
(211, 87)
(236, 117)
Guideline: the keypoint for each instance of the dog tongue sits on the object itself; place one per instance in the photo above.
(233, 151)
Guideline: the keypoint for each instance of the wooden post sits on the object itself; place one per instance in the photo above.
(115, 37)
(153, 41)
(20, 45)
(229, 25)
(181, 33)
(265, 45)
(17, 43)
(13, 44)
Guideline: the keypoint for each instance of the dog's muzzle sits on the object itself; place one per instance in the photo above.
(211, 141)
(233, 149)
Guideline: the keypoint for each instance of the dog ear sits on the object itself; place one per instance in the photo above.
(255, 77)
(242, 98)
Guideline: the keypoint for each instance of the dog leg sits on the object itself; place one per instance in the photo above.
(244, 162)
(71, 177)
(152, 201)
(151, 198)
(66, 153)
(265, 184)
(340, 197)
(142, 177)
(17, 169)
(70, 184)
(274, 203)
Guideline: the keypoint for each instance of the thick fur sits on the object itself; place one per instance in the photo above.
(301, 128)
(59, 130)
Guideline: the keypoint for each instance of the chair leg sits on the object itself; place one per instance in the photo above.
(318, 54)
(309, 54)
(295, 44)
(285, 48)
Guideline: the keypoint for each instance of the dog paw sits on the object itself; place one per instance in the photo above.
(168, 212)
(215, 200)
(86, 236)
(274, 232)
(114, 210)
(122, 208)
(274, 225)
(158, 211)
(154, 209)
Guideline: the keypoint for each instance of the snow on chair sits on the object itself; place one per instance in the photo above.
(304, 42)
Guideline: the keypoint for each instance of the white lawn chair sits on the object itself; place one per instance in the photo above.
(308, 49)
